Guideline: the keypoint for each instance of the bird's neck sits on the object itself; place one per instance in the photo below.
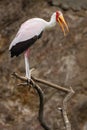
(51, 23)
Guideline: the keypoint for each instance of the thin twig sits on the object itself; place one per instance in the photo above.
(22, 84)
(50, 84)
(64, 109)
(20, 77)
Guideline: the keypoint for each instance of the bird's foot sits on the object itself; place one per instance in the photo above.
(28, 76)
(28, 80)
(30, 86)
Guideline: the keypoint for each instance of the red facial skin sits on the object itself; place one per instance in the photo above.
(57, 15)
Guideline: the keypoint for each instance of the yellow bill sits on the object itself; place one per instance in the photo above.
(63, 24)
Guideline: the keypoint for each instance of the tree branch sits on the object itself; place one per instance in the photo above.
(41, 106)
(43, 82)
(64, 109)
(33, 84)
(40, 93)
(50, 84)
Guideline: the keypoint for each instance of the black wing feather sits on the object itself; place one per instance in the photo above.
(23, 46)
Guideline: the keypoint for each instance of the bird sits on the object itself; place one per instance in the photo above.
(29, 32)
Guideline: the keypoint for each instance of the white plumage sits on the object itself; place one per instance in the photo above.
(29, 32)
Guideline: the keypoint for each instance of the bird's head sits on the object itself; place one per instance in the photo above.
(60, 19)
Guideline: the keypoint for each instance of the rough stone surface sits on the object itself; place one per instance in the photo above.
(70, 4)
(59, 59)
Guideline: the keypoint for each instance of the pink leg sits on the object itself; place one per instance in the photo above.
(27, 52)
(26, 55)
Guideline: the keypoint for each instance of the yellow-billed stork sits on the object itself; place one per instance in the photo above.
(29, 32)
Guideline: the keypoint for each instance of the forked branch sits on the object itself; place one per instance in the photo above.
(33, 82)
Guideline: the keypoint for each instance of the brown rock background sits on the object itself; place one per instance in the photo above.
(61, 60)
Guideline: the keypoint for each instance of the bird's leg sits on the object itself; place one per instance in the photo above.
(28, 74)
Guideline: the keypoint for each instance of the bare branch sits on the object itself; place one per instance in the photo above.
(33, 84)
(19, 77)
(43, 82)
(40, 93)
(41, 106)
(64, 109)
(50, 84)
